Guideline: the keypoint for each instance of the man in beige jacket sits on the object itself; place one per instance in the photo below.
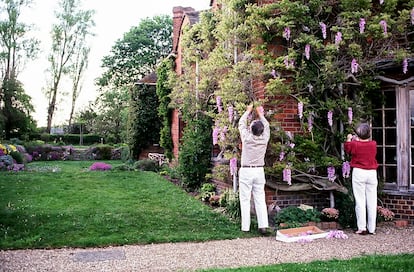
(251, 174)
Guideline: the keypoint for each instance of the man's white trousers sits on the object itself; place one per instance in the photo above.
(252, 181)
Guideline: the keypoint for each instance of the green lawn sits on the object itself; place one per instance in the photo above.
(375, 263)
(62, 204)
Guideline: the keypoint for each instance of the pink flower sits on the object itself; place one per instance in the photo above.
(218, 102)
(381, 2)
(300, 109)
(215, 135)
(354, 66)
(323, 28)
(383, 24)
(292, 145)
(100, 166)
(331, 173)
(286, 33)
(361, 25)
(338, 38)
(307, 51)
(233, 166)
(350, 115)
(330, 121)
(405, 66)
(273, 73)
(287, 175)
(230, 109)
(346, 169)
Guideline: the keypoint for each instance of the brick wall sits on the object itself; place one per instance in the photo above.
(401, 204)
(317, 199)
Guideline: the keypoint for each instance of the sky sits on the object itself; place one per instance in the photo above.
(112, 20)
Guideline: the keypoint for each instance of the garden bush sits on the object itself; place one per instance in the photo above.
(147, 165)
(293, 216)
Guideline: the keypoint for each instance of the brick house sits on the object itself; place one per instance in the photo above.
(395, 139)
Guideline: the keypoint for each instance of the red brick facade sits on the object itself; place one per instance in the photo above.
(287, 117)
(402, 205)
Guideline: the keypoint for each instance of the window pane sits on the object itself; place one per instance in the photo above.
(379, 155)
(390, 118)
(377, 136)
(390, 155)
(390, 137)
(390, 99)
(412, 108)
(377, 118)
(391, 174)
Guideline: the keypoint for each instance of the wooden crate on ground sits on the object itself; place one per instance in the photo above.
(300, 234)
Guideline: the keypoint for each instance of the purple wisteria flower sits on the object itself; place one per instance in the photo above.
(381, 2)
(336, 234)
(230, 110)
(287, 175)
(286, 33)
(330, 121)
(350, 115)
(233, 166)
(100, 166)
(323, 28)
(223, 132)
(310, 122)
(338, 38)
(354, 66)
(346, 169)
(292, 145)
(215, 135)
(307, 51)
(300, 109)
(281, 155)
(384, 26)
(331, 173)
(361, 25)
(273, 73)
(405, 66)
(412, 16)
(218, 102)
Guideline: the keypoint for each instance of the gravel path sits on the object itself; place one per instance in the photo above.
(221, 254)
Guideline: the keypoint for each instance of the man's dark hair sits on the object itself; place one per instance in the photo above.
(257, 128)
(363, 131)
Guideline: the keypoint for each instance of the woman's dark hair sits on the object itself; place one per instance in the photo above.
(363, 131)
(257, 128)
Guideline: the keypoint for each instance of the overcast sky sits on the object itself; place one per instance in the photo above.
(112, 19)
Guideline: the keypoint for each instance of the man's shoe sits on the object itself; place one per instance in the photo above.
(264, 231)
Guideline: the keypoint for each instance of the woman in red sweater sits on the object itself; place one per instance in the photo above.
(364, 177)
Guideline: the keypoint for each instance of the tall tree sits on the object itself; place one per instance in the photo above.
(76, 72)
(131, 58)
(16, 48)
(72, 29)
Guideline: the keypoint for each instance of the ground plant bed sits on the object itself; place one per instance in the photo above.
(298, 234)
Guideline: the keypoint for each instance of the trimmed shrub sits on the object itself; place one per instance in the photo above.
(147, 165)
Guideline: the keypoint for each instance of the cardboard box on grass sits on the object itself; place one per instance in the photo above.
(296, 234)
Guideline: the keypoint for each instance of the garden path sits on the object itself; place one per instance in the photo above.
(212, 254)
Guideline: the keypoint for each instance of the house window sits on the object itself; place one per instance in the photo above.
(393, 129)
